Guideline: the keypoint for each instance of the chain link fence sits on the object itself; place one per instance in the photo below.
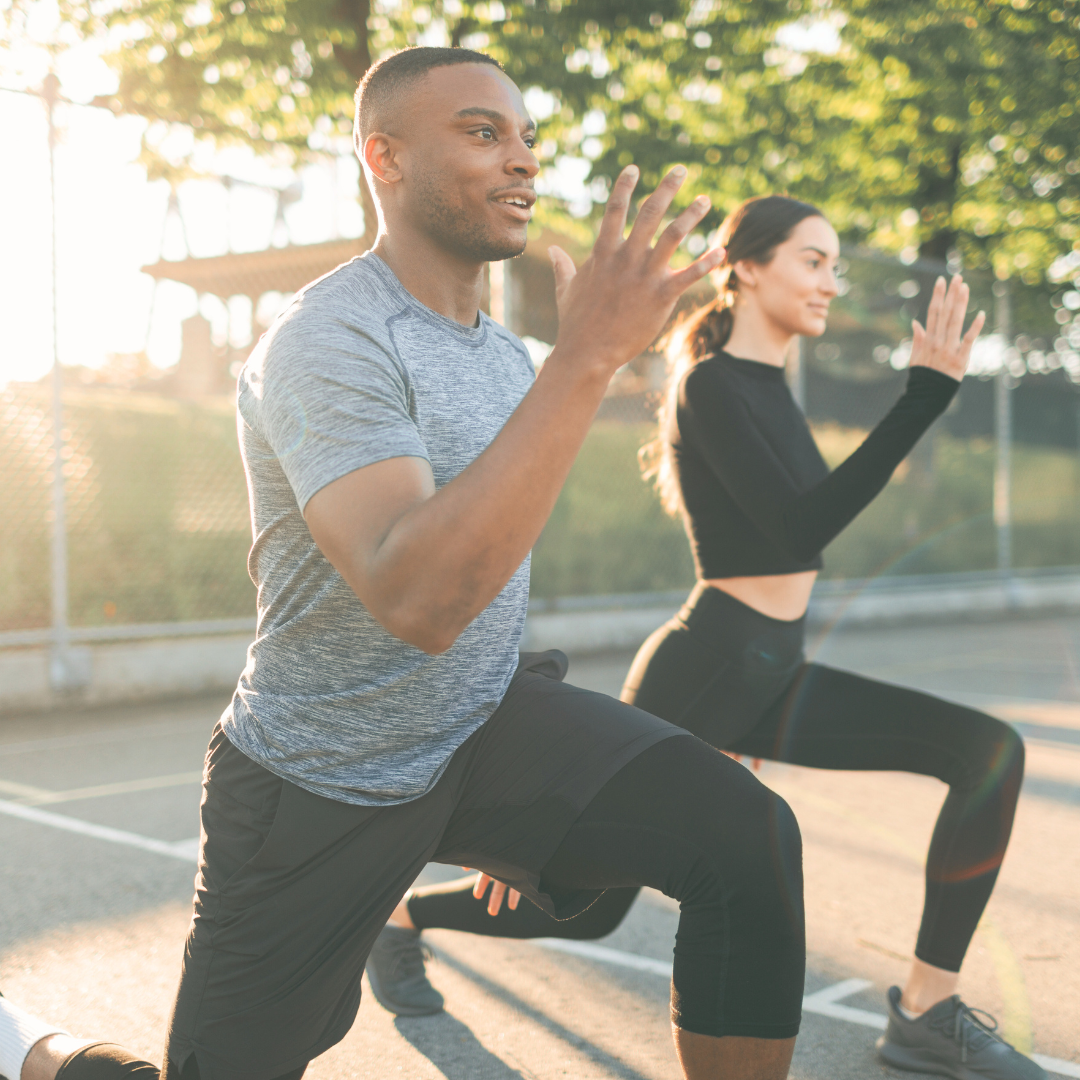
(157, 516)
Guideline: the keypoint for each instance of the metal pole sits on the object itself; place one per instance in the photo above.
(1003, 432)
(795, 370)
(497, 282)
(59, 661)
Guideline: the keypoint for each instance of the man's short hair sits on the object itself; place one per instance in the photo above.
(384, 83)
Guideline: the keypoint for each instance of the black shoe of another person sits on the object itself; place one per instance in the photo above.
(951, 1040)
(395, 969)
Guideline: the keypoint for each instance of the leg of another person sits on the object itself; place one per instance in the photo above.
(833, 719)
(452, 906)
(686, 820)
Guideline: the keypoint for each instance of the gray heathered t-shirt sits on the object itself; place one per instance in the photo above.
(355, 371)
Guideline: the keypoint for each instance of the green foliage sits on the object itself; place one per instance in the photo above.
(961, 112)
(608, 533)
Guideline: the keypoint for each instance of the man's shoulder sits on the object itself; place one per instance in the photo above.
(353, 296)
(339, 317)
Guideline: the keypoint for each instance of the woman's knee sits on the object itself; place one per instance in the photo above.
(995, 752)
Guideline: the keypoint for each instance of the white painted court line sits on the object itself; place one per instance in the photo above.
(825, 1002)
(187, 850)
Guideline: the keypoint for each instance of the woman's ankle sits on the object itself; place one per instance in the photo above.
(401, 917)
(926, 986)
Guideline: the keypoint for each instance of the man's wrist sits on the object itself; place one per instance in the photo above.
(586, 368)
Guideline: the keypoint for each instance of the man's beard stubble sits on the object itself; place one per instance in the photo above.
(453, 229)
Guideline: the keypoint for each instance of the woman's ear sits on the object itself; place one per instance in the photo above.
(746, 271)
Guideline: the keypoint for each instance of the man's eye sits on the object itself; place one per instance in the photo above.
(486, 133)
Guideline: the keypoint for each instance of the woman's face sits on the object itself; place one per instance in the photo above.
(794, 289)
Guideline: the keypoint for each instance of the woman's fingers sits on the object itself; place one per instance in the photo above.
(968, 340)
(498, 891)
(482, 882)
(515, 899)
(680, 228)
(955, 312)
(933, 312)
(655, 207)
(618, 206)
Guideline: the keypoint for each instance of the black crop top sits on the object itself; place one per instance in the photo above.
(758, 496)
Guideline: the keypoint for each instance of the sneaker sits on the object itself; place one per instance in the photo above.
(951, 1040)
(395, 969)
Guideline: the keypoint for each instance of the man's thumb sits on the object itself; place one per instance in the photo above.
(563, 266)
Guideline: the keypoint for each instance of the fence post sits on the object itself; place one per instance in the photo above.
(501, 300)
(63, 669)
(795, 369)
(1003, 432)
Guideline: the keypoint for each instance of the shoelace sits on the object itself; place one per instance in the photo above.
(968, 1029)
(408, 959)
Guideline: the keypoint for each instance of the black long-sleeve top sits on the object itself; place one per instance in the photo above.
(758, 496)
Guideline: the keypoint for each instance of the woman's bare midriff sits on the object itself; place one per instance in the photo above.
(780, 596)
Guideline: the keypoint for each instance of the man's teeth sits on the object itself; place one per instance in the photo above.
(516, 202)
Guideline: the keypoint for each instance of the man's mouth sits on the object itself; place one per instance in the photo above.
(519, 203)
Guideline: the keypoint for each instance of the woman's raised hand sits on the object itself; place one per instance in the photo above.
(942, 344)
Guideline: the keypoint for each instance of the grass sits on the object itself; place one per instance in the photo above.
(158, 523)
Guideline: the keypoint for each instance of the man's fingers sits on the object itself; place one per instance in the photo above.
(498, 891)
(655, 207)
(563, 266)
(681, 280)
(678, 230)
(618, 206)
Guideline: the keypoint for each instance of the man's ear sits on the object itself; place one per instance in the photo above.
(381, 158)
(746, 272)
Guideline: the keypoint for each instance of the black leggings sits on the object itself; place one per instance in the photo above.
(738, 680)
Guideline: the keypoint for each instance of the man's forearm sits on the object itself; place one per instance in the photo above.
(446, 559)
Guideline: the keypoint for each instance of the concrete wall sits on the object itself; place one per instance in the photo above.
(162, 667)
(124, 671)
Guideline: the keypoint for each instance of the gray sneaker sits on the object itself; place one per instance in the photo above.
(951, 1040)
(395, 969)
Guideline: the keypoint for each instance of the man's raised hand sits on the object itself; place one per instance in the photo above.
(616, 304)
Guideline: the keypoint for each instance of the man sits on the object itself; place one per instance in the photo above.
(401, 463)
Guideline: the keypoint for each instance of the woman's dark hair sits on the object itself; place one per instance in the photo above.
(753, 231)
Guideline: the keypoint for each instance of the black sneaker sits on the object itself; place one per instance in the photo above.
(395, 969)
(951, 1040)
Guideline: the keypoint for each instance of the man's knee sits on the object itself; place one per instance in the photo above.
(106, 1061)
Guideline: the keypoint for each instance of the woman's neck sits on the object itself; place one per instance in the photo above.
(756, 337)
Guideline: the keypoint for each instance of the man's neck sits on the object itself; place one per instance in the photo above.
(440, 280)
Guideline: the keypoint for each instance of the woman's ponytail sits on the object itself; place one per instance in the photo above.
(752, 232)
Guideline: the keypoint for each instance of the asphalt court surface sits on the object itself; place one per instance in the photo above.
(92, 922)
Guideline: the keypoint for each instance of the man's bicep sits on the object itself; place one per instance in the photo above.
(351, 517)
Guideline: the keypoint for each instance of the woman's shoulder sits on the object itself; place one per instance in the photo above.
(712, 373)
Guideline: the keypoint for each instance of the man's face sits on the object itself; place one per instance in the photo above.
(465, 150)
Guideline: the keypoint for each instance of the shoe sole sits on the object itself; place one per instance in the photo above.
(901, 1057)
(394, 1007)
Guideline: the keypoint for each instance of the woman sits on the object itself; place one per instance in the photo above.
(734, 456)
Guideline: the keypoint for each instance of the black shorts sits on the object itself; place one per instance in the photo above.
(293, 888)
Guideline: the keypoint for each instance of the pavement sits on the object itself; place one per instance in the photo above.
(98, 814)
